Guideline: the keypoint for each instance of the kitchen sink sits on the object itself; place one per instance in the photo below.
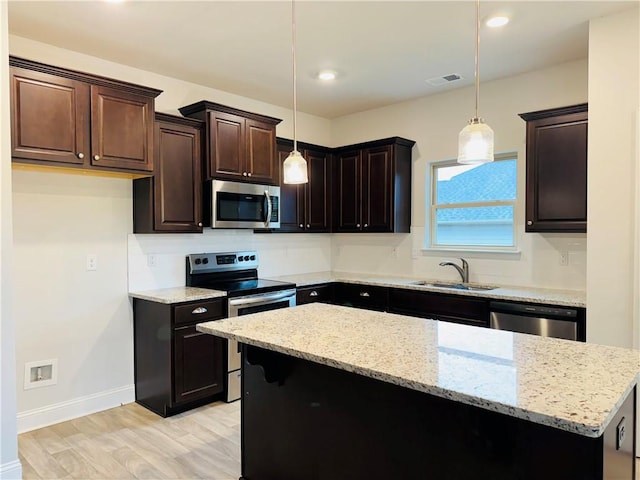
(456, 286)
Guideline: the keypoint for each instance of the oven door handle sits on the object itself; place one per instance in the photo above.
(262, 298)
(267, 198)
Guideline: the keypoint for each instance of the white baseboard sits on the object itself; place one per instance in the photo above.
(74, 408)
(11, 470)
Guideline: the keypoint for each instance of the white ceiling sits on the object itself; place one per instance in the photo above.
(383, 51)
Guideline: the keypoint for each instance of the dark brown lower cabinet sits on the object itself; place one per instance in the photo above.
(314, 294)
(304, 420)
(369, 297)
(177, 367)
(440, 306)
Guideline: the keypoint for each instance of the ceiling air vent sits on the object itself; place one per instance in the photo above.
(438, 81)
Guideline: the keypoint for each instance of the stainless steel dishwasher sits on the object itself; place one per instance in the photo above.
(557, 322)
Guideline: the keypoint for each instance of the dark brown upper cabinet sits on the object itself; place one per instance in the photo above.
(171, 200)
(372, 187)
(556, 193)
(307, 207)
(65, 118)
(240, 145)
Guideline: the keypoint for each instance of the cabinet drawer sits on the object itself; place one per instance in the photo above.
(200, 311)
(317, 293)
(457, 308)
(362, 296)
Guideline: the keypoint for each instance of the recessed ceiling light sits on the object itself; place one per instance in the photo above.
(497, 21)
(327, 75)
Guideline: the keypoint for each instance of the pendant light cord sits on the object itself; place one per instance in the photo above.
(477, 55)
(293, 51)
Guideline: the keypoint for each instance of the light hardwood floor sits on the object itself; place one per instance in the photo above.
(132, 442)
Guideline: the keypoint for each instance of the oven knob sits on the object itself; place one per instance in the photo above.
(198, 261)
(240, 259)
(246, 258)
(205, 260)
(253, 257)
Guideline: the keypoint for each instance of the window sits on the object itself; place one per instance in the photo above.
(472, 206)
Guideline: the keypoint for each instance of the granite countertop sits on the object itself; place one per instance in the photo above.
(568, 385)
(570, 298)
(177, 294)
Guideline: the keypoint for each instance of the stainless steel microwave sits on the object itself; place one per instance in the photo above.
(244, 205)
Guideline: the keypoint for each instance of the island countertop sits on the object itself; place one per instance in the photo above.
(568, 385)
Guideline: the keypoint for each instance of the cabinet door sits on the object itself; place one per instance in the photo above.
(121, 129)
(178, 179)
(557, 174)
(261, 166)
(227, 148)
(361, 296)
(318, 192)
(347, 190)
(291, 199)
(49, 117)
(197, 364)
(440, 306)
(377, 203)
(316, 293)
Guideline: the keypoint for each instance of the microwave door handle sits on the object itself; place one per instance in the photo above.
(269, 208)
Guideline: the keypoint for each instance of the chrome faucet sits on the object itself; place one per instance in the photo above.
(463, 271)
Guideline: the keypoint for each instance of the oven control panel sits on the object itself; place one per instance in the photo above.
(224, 261)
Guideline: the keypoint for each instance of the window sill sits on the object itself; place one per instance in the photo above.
(472, 252)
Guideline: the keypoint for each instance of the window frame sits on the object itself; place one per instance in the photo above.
(432, 207)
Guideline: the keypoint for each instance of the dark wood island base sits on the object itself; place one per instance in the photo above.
(306, 421)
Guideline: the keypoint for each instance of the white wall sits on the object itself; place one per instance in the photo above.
(82, 318)
(10, 467)
(614, 100)
(280, 254)
(434, 122)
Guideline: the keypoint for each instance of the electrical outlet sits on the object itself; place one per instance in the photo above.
(92, 262)
(394, 252)
(564, 258)
(152, 260)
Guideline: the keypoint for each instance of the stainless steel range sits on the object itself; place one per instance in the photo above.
(237, 274)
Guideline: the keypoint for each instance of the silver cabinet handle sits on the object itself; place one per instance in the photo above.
(358, 225)
(364, 294)
(81, 155)
(366, 225)
(529, 222)
(96, 157)
(199, 224)
(308, 225)
(244, 174)
(301, 225)
(313, 294)
(249, 174)
(198, 310)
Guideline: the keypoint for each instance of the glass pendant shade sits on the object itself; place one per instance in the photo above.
(295, 169)
(475, 143)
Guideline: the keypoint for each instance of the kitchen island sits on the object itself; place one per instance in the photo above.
(331, 392)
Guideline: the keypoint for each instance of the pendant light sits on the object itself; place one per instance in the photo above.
(475, 141)
(295, 166)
